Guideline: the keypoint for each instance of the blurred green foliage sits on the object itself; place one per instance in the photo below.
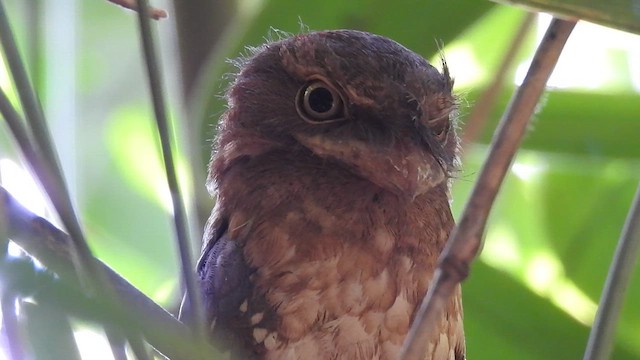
(552, 233)
(619, 14)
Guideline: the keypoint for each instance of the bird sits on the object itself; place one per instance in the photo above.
(331, 172)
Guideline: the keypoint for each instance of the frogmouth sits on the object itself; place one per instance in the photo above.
(331, 170)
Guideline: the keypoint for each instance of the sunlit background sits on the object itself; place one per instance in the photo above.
(534, 292)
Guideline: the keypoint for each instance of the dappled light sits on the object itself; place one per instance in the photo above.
(596, 58)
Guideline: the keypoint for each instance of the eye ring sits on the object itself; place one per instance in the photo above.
(319, 102)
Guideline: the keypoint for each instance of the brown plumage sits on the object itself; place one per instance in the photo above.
(331, 173)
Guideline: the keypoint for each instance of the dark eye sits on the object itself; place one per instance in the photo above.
(319, 102)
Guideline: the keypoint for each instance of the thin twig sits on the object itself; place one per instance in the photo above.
(53, 249)
(482, 108)
(35, 143)
(20, 134)
(465, 241)
(154, 13)
(37, 146)
(40, 166)
(26, 93)
(179, 215)
(620, 272)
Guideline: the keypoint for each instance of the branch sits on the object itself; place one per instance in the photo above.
(620, 272)
(154, 13)
(53, 249)
(465, 241)
(36, 145)
(179, 213)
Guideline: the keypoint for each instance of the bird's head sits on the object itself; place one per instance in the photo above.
(353, 98)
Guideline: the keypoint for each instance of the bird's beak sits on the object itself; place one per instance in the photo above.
(404, 168)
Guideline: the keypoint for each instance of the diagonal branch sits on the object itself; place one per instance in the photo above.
(53, 248)
(466, 239)
(35, 142)
(620, 272)
(37, 125)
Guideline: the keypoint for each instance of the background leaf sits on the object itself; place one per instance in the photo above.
(620, 14)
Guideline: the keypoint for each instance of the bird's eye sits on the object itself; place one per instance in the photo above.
(320, 102)
(440, 126)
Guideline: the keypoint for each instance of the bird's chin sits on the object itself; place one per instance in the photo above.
(404, 169)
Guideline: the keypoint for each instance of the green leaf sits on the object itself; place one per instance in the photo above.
(619, 14)
(552, 231)
(593, 124)
(505, 320)
(127, 210)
